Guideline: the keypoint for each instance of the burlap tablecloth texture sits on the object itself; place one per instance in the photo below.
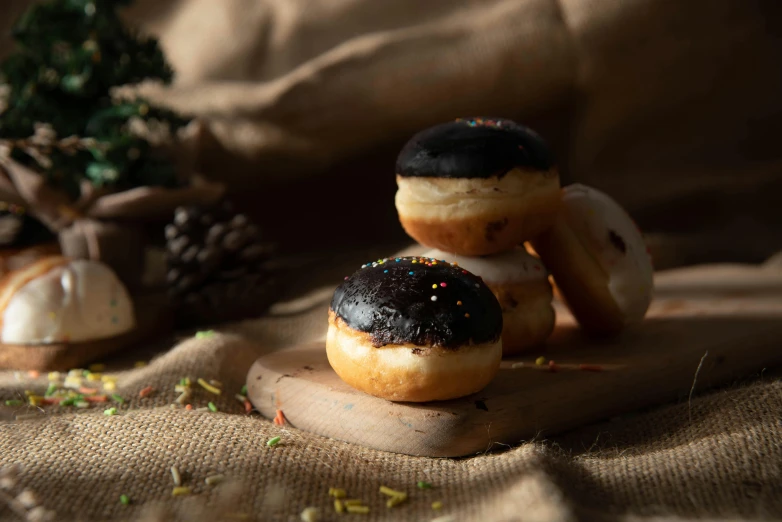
(718, 456)
(672, 107)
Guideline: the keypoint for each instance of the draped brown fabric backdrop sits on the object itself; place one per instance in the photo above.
(672, 107)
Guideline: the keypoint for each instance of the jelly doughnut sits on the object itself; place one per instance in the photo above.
(599, 261)
(520, 283)
(476, 187)
(414, 329)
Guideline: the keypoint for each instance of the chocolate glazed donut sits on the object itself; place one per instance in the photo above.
(476, 186)
(414, 329)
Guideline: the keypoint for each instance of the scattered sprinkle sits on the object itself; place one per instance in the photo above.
(110, 411)
(54, 376)
(591, 367)
(204, 334)
(310, 514)
(458, 303)
(434, 286)
(26, 416)
(183, 398)
(338, 507)
(189, 407)
(176, 476)
(214, 479)
(337, 493)
(393, 501)
(181, 490)
(363, 510)
(240, 398)
(391, 492)
(434, 298)
(248, 407)
(244, 390)
(33, 374)
(352, 502)
(124, 500)
(94, 377)
(212, 407)
(140, 364)
(146, 391)
(14, 402)
(208, 387)
(273, 441)
(50, 390)
(97, 367)
(423, 485)
(467, 316)
(185, 381)
(88, 391)
(410, 272)
(443, 284)
(279, 418)
(109, 386)
(540, 361)
(81, 404)
(552, 366)
(436, 505)
(517, 365)
(216, 383)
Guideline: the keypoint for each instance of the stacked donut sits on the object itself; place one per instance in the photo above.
(475, 191)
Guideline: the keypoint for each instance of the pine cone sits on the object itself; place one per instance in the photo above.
(216, 264)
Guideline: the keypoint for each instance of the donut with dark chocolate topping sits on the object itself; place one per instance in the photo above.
(476, 186)
(473, 148)
(414, 329)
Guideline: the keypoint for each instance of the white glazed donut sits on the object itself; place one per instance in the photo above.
(520, 283)
(64, 301)
(599, 261)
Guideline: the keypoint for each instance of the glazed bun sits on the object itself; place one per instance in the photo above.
(599, 261)
(58, 300)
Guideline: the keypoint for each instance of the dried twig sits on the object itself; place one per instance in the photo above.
(44, 141)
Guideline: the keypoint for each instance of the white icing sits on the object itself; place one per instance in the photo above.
(593, 215)
(513, 266)
(77, 302)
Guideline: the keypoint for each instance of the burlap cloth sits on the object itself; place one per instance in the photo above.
(672, 107)
(718, 456)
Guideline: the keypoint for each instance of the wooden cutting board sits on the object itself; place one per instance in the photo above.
(717, 322)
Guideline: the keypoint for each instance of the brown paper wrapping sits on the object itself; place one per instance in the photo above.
(106, 227)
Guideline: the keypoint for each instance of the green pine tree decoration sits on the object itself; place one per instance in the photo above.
(60, 117)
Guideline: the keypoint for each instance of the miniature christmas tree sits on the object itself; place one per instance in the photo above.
(60, 117)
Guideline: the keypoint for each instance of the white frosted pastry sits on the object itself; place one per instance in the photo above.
(64, 301)
(599, 261)
(520, 283)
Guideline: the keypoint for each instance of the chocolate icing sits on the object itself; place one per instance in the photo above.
(473, 148)
(391, 300)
